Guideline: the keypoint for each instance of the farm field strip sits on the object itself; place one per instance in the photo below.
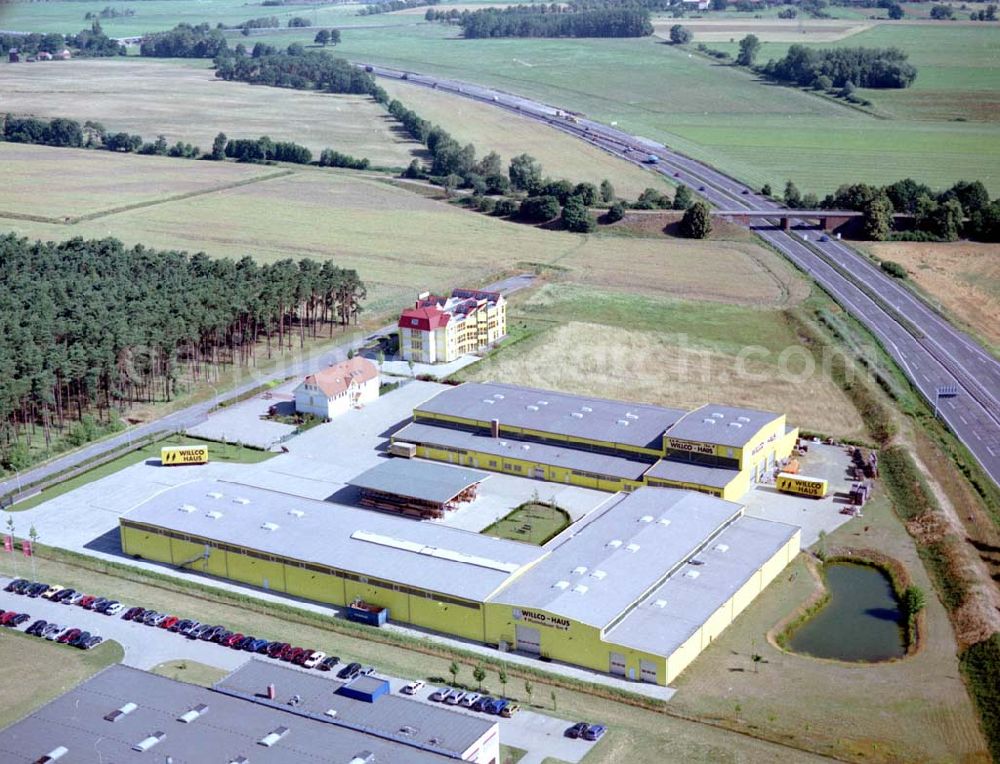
(184, 101)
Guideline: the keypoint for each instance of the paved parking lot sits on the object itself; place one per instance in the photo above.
(145, 646)
(242, 422)
(812, 515)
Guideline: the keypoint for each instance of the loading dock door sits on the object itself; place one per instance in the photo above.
(647, 672)
(617, 664)
(528, 640)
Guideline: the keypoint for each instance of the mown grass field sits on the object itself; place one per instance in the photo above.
(671, 352)
(530, 523)
(962, 277)
(399, 241)
(35, 671)
(183, 100)
(490, 129)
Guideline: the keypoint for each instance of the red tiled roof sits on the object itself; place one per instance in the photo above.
(424, 319)
(338, 377)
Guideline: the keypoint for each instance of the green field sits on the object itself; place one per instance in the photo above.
(35, 671)
(533, 523)
(399, 241)
(754, 130)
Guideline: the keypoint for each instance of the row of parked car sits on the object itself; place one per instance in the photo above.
(474, 701)
(64, 595)
(71, 636)
(586, 731)
(13, 618)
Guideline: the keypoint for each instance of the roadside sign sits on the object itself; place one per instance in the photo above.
(26, 548)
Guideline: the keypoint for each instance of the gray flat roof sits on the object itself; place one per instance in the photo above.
(685, 472)
(723, 425)
(665, 619)
(455, 732)
(616, 555)
(428, 481)
(374, 544)
(635, 424)
(230, 727)
(543, 453)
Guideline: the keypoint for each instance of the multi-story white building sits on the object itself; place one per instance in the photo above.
(331, 392)
(440, 329)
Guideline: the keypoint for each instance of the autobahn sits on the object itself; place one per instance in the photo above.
(934, 355)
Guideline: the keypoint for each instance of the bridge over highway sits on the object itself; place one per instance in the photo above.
(931, 352)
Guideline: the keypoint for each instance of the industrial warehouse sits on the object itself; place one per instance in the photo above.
(598, 443)
(637, 588)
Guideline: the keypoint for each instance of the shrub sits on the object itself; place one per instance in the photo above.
(539, 209)
(893, 269)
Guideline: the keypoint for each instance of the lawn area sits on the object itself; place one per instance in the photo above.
(400, 242)
(183, 100)
(217, 452)
(962, 277)
(36, 671)
(191, 672)
(491, 129)
(914, 709)
(532, 523)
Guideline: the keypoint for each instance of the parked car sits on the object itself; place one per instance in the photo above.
(367, 671)
(23, 585)
(439, 694)
(594, 732)
(52, 590)
(94, 642)
(576, 730)
(20, 620)
(454, 697)
(222, 635)
(69, 634)
(36, 627)
(160, 618)
(181, 625)
(102, 607)
(13, 585)
(87, 601)
(37, 590)
(115, 609)
(209, 634)
(299, 655)
(509, 710)
(313, 659)
(62, 595)
(275, 649)
(232, 639)
(169, 621)
(469, 699)
(258, 646)
(480, 705)
(412, 688)
(74, 599)
(51, 631)
(350, 671)
(497, 706)
(196, 631)
(132, 611)
(7, 617)
(83, 636)
(329, 662)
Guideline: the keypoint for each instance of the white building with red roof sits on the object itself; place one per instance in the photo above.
(441, 329)
(343, 386)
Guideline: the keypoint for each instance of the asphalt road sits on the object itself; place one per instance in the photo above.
(932, 352)
(195, 414)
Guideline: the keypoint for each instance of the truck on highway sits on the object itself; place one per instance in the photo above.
(801, 485)
(171, 456)
(651, 159)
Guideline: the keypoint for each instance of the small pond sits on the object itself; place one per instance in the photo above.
(860, 622)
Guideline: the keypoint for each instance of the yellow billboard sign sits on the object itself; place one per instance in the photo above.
(802, 485)
(176, 455)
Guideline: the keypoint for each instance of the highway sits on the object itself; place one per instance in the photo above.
(934, 354)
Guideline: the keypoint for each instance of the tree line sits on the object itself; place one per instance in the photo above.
(185, 41)
(394, 5)
(68, 133)
(963, 209)
(840, 67)
(87, 43)
(297, 68)
(88, 328)
(549, 21)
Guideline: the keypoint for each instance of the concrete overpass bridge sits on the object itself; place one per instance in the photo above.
(826, 220)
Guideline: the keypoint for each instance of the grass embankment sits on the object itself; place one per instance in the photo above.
(36, 670)
(981, 667)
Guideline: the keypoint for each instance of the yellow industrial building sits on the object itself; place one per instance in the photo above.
(637, 588)
(598, 443)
